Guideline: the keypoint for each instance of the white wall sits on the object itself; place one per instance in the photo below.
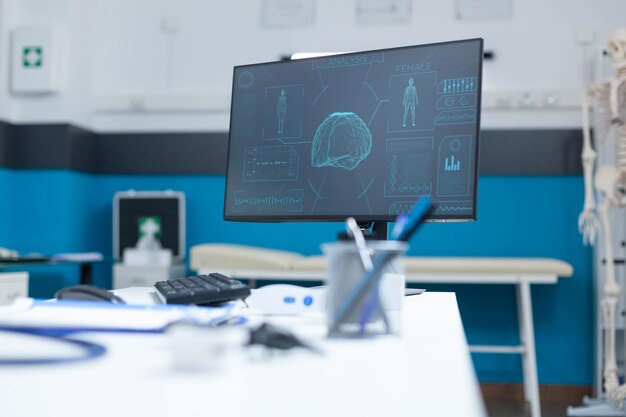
(122, 71)
(69, 19)
(5, 99)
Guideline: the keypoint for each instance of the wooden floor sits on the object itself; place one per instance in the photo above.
(507, 400)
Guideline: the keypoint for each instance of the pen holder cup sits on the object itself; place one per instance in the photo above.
(364, 303)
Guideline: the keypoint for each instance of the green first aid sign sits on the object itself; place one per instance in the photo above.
(32, 56)
(149, 226)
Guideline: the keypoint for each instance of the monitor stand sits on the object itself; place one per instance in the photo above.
(374, 230)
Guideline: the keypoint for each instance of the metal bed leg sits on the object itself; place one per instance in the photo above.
(529, 357)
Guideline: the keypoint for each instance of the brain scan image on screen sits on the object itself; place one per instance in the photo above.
(343, 140)
(362, 134)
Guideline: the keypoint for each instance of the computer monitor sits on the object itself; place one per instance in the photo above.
(362, 134)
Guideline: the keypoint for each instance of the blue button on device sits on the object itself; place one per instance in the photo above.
(289, 300)
(308, 300)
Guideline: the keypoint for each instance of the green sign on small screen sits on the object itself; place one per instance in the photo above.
(149, 225)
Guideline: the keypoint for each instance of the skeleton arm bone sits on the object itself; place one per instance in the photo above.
(588, 220)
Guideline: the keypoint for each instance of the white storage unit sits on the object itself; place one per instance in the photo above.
(125, 276)
(12, 286)
(167, 208)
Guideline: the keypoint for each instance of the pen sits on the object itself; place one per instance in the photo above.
(353, 230)
(414, 220)
(400, 223)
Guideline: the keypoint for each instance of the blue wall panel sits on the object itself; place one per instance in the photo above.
(49, 211)
(6, 194)
(61, 211)
(525, 217)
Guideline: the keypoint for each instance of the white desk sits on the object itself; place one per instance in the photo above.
(427, 372)
(259, 263)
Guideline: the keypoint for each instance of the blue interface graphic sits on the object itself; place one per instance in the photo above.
(361, 134)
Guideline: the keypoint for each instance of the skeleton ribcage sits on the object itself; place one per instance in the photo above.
(609, 133)
(601, 121)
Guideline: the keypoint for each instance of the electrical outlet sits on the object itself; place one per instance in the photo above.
(550, 99)
(527, 99)
(584, 36)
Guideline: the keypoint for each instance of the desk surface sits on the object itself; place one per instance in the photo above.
(426, 372)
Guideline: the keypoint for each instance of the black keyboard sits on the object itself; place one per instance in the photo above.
(201, 290)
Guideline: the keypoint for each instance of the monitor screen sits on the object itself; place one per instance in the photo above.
(361, 134)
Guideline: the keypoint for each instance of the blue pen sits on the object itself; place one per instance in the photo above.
(417, 214)
(399, 226)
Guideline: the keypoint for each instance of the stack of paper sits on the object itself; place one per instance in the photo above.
(29, 314)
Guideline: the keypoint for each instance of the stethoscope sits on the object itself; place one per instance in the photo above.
(89, 350)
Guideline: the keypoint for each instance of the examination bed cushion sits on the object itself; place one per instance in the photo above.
(217, 256)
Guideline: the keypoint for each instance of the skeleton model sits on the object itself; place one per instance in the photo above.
(609, 98)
